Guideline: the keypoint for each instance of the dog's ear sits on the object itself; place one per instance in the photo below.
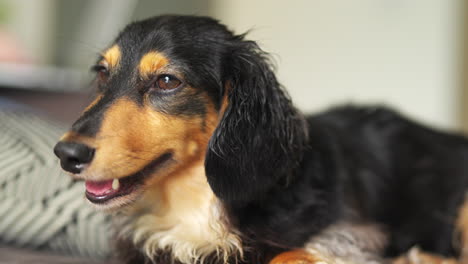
(261, 136)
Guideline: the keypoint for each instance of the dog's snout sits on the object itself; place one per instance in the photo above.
(73, 156)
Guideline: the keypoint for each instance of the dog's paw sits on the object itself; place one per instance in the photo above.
(298, 257)
(416, 256)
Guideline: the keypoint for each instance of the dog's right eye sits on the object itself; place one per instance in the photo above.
(168, 82)
(101, 71)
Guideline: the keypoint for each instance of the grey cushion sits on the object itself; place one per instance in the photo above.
(40, 206)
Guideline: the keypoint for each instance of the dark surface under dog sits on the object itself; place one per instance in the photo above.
(9, 255)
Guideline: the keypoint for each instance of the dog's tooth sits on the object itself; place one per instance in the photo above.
(115, 184)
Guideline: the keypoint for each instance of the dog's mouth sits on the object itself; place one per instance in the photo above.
(104, 192)
(99, 192)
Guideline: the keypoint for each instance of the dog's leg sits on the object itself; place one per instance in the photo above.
(416, 256)
(299, 257)
(462, 229)
(348, 243)
(343, 243)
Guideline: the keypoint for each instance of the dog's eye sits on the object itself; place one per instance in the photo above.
(167, 82)
(101, 71)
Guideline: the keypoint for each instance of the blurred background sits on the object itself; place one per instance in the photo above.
(406, 54)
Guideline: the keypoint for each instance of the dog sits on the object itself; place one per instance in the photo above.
(197, 151)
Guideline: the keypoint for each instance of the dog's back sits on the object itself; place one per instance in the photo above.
(399, 173)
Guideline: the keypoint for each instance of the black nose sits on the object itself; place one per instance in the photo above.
(73, 156)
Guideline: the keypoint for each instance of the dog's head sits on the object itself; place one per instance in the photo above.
(176, 90)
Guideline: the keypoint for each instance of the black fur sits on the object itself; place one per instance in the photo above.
(283, 177)
(272, 130)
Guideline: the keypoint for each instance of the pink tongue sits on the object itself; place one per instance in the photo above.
(99, 188)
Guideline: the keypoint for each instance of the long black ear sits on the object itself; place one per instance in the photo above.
(261, 136)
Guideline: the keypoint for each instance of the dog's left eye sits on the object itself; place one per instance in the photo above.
(167, 82)
(101, 70)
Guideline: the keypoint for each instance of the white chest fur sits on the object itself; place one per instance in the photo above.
(181, 214)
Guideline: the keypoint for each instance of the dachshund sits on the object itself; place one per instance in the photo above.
(197, 152)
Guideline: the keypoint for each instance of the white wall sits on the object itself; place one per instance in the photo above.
(399, 52)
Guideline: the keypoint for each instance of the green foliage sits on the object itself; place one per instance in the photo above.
(5, 11)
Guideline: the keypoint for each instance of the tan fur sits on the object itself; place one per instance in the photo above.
(132, 136)
(111, 57)
(72, 136)
(175, 209)
(299, 257)
(224, 105)
(182, 214)
(151, 62)
(462, 229)
(93, 103)
(179, 211)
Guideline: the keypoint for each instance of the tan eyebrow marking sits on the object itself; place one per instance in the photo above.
(112, 56)
(151, 62)
(93, 103)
